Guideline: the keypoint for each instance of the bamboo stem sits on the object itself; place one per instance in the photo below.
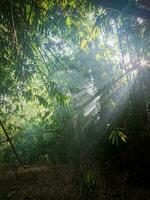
(11, 144)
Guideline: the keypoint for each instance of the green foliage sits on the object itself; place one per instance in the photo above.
(67, 70)
(69, 21)
(117, 135)
(89, 177)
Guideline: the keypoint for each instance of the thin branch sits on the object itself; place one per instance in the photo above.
(13, 24)
(11, 144)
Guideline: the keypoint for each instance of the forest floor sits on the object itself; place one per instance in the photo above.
(53, 183)
(38, 183)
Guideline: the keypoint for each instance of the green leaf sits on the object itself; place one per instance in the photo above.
(69, 21)
(115, 135)
(117, 140)
(73, 4)
(113, 139)
(123, 136)
(28, 95)
(111, 135)
(42, 100)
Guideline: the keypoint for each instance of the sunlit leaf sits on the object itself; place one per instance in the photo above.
(123, 136)
(68, 21)
(117, 134)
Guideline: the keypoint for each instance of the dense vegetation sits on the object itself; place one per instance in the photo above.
(74, 88)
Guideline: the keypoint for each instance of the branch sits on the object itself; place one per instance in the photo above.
(13, 25)
(12, 146)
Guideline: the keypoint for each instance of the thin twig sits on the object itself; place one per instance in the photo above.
(13, 24)
(11, 144)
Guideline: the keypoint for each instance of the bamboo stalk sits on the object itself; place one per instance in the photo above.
(11, 144)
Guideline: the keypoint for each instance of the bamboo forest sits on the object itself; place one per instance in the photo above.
(74, 100)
